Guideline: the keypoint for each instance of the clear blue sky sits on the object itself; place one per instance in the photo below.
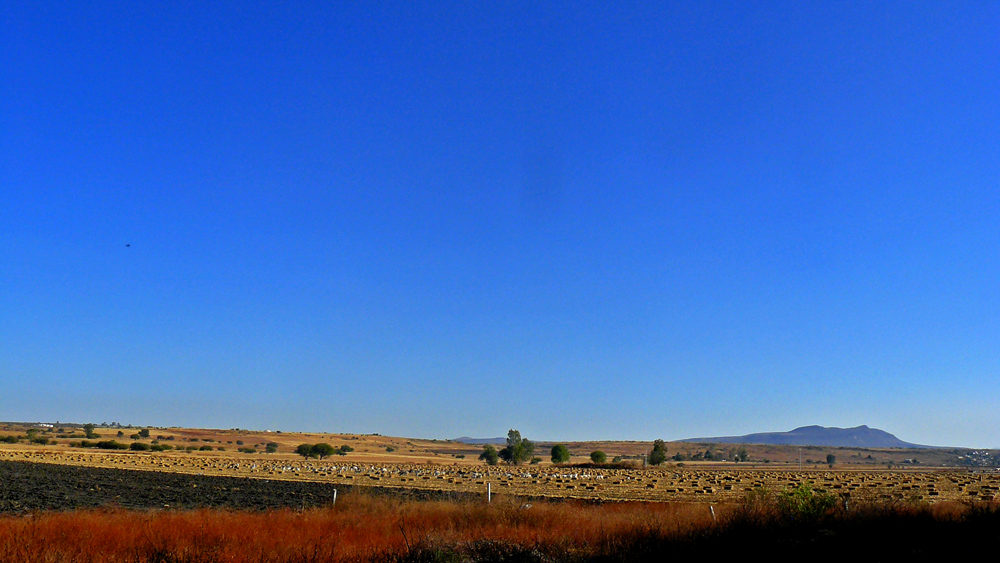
(584, 222)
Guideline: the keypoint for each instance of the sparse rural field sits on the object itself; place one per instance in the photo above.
(98, 515)
(423, 500)
(446, 466)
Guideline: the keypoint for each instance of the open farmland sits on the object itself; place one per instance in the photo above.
(75, 513)
(445, 466)
(711, 485)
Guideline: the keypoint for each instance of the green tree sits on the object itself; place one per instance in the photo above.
(741, 454)
(659, 453)
(518, 449)
(304, 450)
(271, 447)
(144, 433)
(831, 459)
(322, 450)
(489, 455)
(560, 453)
(598, 456)
(88, 429)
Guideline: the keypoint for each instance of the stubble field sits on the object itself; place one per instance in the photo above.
(397, 499)
(680, 484)
(104, 515)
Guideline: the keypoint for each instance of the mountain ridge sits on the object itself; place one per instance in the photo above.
(814, 435)
(480, 441)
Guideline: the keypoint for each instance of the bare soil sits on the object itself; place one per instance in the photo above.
(32, 486)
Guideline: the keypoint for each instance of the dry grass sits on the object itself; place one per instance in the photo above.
(358, 528)
(363, 528)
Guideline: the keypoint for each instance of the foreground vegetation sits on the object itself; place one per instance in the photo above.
(797, 524)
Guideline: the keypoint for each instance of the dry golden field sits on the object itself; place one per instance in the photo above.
(449, 466)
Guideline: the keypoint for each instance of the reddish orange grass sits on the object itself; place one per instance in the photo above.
(357, 528)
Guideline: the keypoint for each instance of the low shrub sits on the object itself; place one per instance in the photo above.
(110, 445)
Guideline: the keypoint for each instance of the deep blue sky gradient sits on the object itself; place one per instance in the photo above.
(582, 221)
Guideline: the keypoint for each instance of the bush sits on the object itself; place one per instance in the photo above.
(247, 450)
(139, 447)
(239, 442)
(161, 447)
(489, 455)
(111, 445)
(271, 447)
(42, 441)
(659, 453)
(560, 453)
(206, 448)
(389, 449)
(345, 448)
(803, 503)
(9, 439)
(597, 456)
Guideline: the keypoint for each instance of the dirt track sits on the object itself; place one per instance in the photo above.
(30, 486)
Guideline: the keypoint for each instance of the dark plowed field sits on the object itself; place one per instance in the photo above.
(26, 486)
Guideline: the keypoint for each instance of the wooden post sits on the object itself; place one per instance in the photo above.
(489, 493)
(335, 496)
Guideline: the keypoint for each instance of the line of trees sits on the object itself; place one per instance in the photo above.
(517, 451)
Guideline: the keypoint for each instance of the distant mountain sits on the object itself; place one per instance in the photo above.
(480, 441)
(857, 437)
